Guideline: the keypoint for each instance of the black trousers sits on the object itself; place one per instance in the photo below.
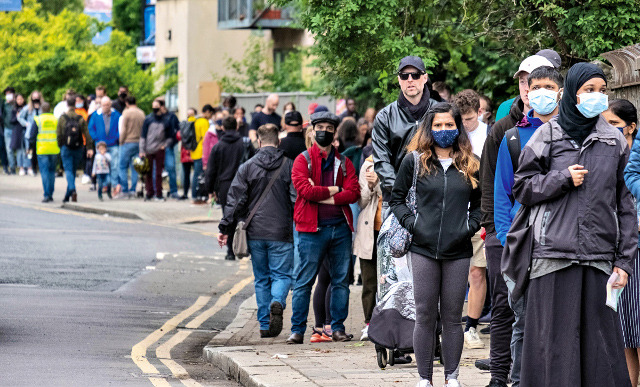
(502, 317)
(572, 337)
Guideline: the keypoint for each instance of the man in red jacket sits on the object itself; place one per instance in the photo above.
(326, 183)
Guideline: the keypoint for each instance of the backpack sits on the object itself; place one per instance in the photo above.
(72, 132)
(513, 146)
(248, 150)
(343, 165)
(188, 135)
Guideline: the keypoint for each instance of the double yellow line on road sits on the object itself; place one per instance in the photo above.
(163, 352)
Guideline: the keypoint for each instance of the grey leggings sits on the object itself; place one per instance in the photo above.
(443, 282)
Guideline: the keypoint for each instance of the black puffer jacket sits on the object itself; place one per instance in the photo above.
(595, 221)
(490, 158)
(273, 220)
(448, 210)
(392, 130)
(224, 160)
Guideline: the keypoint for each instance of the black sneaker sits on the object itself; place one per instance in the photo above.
(486, 331)
(275, 319)
(483, 364)
(496, 383)
(230, 257)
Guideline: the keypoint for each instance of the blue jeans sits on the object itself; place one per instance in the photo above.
(335, 243)
(170, 167)
(11, 155)
(47, 164)
(71, 159)
(127, 152)
(517, 338)
(114, 151)
(296, 254)
(104, 180)
(272, 263)
(197, 170)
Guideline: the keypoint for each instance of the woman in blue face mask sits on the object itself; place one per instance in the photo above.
(447, 216)
(583, 235)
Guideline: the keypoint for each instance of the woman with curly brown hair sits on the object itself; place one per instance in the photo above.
(447, 216)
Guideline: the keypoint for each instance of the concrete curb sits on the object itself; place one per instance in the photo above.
(245, 312)
(101, 211)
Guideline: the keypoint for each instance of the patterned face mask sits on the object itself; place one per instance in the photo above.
(445, 138)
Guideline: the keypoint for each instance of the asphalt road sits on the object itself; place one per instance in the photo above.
(78, 292)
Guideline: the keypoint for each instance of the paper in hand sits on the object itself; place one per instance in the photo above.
(613, 294)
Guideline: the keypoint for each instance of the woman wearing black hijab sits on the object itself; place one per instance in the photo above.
(571, 176)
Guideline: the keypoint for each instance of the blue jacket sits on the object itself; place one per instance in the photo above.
(98, 132)
(505, 206)
(632, 173)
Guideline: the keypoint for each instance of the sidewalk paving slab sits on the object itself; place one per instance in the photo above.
(257, 362)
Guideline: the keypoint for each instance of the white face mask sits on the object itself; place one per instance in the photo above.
(9, 97)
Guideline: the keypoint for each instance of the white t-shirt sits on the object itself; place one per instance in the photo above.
(477, 138)
(60, 108)
(446, 163)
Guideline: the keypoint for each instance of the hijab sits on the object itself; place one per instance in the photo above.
(570, 119)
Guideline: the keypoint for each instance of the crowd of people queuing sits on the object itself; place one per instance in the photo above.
(528, 211)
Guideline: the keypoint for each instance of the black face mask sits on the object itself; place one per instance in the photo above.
(324, 138)
(122, 95)
(156, 111)
(35, 101)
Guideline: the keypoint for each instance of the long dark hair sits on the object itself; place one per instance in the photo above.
(462, 154)
(626, 111)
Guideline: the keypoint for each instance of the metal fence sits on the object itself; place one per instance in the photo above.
(624, 81)
(301, 99)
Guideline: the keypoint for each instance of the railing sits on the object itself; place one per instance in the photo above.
(234, 14)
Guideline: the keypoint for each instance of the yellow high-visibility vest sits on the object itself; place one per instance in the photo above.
(47, 141)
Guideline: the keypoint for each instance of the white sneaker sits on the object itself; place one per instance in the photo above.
(424, 383)
(472, 340)
(365, 334)
(22, 172)
(30, 172)
(86, 179)
(453, 382)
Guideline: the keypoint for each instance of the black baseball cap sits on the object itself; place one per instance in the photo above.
(552, 56)
(325, 117)
(412, 61)
(293, 118)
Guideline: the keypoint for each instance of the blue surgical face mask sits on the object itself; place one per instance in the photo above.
(543, 101)
(445, 138)
(592, 104)
(621, 129)
(79, 105)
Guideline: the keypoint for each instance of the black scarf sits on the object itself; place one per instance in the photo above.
(570, 119)
(417, 111)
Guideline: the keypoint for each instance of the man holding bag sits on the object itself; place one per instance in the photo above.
(263, 195)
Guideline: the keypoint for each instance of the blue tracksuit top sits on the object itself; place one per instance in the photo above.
(505, 206)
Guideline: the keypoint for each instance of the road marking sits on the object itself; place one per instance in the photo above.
(220, 303)
(139, 351)
(163, 352)
(160, 256)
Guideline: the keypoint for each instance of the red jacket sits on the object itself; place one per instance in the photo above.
(306, 208)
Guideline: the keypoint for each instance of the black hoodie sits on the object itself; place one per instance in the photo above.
(273, 220)
(224, 160)
(490, 158)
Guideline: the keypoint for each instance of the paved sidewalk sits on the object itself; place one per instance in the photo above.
(27, 190)
(254, 362)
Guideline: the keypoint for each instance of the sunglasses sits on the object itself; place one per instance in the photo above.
(414, 76)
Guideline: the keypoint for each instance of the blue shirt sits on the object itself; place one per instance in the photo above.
(504, 109)
(505, 206)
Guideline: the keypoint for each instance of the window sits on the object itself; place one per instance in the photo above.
(171, 98)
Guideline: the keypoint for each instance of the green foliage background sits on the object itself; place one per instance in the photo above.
(50, 52)
(470, 44)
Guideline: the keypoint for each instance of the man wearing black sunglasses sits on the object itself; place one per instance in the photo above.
(396, 123)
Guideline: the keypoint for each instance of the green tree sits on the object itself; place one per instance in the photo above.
(57, 6)
(470, 44)
(127, 17)
(51, 53)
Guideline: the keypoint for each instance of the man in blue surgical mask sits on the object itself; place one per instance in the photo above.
(545, 87)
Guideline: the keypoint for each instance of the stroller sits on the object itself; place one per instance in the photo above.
(394, 316)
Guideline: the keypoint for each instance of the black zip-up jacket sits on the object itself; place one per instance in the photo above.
(273, 220)
(595, 221)
(392, 130)
(490, 158)
(224, 160)
(448, 210)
